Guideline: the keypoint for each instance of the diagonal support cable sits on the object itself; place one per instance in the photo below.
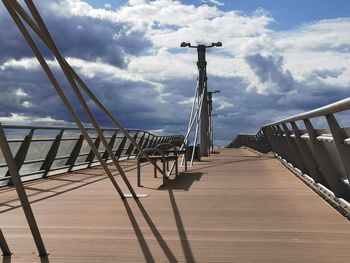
(63, 65)
(3, 245)
(23, 198)
(60, 92)
(38, 29)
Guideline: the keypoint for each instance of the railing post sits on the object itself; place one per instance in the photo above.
(150, 141)
(140, 143)
(21, 154)
(284, 145)
(75, 153)
(51, 155)
(90, 158)
(308, 156)
(16, 179)
(3, 245)
(155, 141)
(278, 143)
(147, 140)
(131, 146)
(121, 147)
(267, 136)
(294, 150)
(339, 136)
(329, 171)
(105, 155)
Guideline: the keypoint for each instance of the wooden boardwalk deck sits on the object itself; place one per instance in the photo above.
(233, 207)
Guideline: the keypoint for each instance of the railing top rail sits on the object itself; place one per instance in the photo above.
(71, 128)
(41, 127)
(325, 110)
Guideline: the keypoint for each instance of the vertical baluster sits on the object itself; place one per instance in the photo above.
(339, 136)
(147, 141)
(326, 166)
(121, 147)
(140, 143)
(105, 155)
(294, 150)
(51, 155)
(308, 157)
(21, 154)
(91, 156)
(131, 146)
(75, 153)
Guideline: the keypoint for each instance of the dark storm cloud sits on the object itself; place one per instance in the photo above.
(11, 42)
(140, 103)
(79, 37)
(76, 36)
(270, 69)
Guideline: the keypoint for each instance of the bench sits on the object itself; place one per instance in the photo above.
(181, 148)
(164, 152)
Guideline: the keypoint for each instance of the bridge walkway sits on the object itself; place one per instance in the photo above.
(234, 207)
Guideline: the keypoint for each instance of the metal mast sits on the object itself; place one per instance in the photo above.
(203, 95)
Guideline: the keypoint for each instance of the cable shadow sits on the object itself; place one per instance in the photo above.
(56, 189)
(140, 238)
(52, 195)
(158, 236)
(180, 228)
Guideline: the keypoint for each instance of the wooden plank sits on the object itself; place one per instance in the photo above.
(233, 207)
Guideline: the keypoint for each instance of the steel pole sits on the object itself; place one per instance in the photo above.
(203, 93)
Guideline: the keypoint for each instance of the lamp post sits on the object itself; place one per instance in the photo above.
(203, 94)
(212, 131)
(211, 115)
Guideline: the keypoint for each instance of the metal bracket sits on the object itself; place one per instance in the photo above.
(137, 195)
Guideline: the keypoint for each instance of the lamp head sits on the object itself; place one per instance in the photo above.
(185, 44)
(217, 44)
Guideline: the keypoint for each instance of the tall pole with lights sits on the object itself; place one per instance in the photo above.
(211, 115)
(203, 95)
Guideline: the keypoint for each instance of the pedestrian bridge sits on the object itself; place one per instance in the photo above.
(236, 206)
(74, 194)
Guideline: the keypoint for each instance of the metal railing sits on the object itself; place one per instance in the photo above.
(42, 151)
(323, 155)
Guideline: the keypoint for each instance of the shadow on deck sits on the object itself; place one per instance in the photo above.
(234, 207)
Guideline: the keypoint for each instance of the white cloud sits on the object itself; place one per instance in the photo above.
(310, 57)
(21, 93)
(316, 47)
(223, 105)
(27, 104)
(22, 119)
(24, 63)
(215, 2)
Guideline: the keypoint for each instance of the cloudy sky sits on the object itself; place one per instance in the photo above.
(278, 58)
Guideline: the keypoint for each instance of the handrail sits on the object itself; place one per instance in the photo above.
(322, 154)
(76, 155)
(42, 127)
(322, 111)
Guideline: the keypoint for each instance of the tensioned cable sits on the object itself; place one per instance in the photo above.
(197, 126)
(60, 92)
(192, 109)
(43, 37)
